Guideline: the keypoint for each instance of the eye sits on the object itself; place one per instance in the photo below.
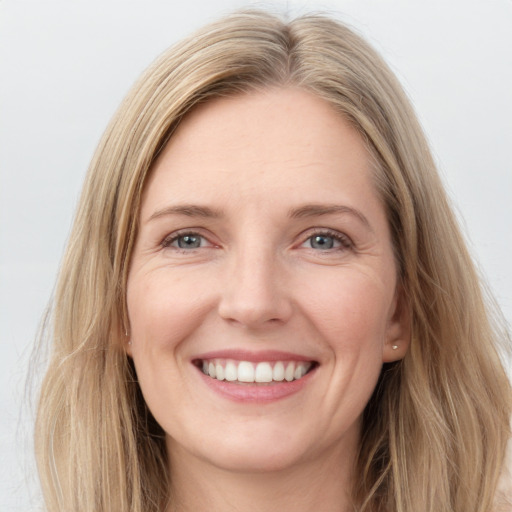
(185, 241)
(324, 241)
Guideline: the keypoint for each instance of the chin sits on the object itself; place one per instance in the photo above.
(247, 452)
(256, 461)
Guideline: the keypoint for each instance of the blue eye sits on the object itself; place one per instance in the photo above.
(328, 241)
(186, 241)
(321, 242)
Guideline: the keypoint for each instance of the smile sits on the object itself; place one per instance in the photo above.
(264, 372)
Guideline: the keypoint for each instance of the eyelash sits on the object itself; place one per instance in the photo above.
(344, 241)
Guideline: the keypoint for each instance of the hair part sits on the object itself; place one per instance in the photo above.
(435, 430)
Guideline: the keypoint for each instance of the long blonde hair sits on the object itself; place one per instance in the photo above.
(435, 430)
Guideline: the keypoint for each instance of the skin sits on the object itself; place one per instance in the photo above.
(257, 282)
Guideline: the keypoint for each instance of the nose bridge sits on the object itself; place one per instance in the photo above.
(254, 293)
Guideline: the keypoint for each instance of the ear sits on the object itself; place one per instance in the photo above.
(398, 332)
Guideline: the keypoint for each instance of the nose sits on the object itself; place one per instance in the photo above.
(255, 294)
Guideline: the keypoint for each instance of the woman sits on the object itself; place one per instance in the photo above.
(266, 303)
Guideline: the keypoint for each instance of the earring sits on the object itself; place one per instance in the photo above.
(130, 342)
(394, 347)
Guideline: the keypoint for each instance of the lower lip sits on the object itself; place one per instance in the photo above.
(256, 393)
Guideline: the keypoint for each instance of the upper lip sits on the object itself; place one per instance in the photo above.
(253, 356)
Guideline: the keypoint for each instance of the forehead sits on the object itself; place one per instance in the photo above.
(275, 139)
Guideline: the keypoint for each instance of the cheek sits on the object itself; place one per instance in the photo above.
(349, 313)
(351, 309)
(163, 308)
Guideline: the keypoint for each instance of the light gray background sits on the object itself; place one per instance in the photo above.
(66, 64)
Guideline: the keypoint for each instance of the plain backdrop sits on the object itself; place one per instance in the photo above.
(66, 64)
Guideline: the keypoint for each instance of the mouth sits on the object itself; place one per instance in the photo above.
(250, 372)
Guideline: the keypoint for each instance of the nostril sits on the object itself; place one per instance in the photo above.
(254, 295)
(265, 313)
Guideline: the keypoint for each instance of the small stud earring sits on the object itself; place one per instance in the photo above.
(130, 342)
(394, 347)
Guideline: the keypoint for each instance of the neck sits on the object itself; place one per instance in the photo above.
(322, 484)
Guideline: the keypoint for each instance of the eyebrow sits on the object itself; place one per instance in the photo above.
(318, 210)
(188, 210)
(308, 210)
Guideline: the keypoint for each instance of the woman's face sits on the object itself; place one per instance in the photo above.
(263, 253)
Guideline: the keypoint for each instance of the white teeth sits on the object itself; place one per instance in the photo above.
(299, 372)
(278, 372)
(219, 371)
(262, 372)
(231, 372)
(288, 373)
(245, 372)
